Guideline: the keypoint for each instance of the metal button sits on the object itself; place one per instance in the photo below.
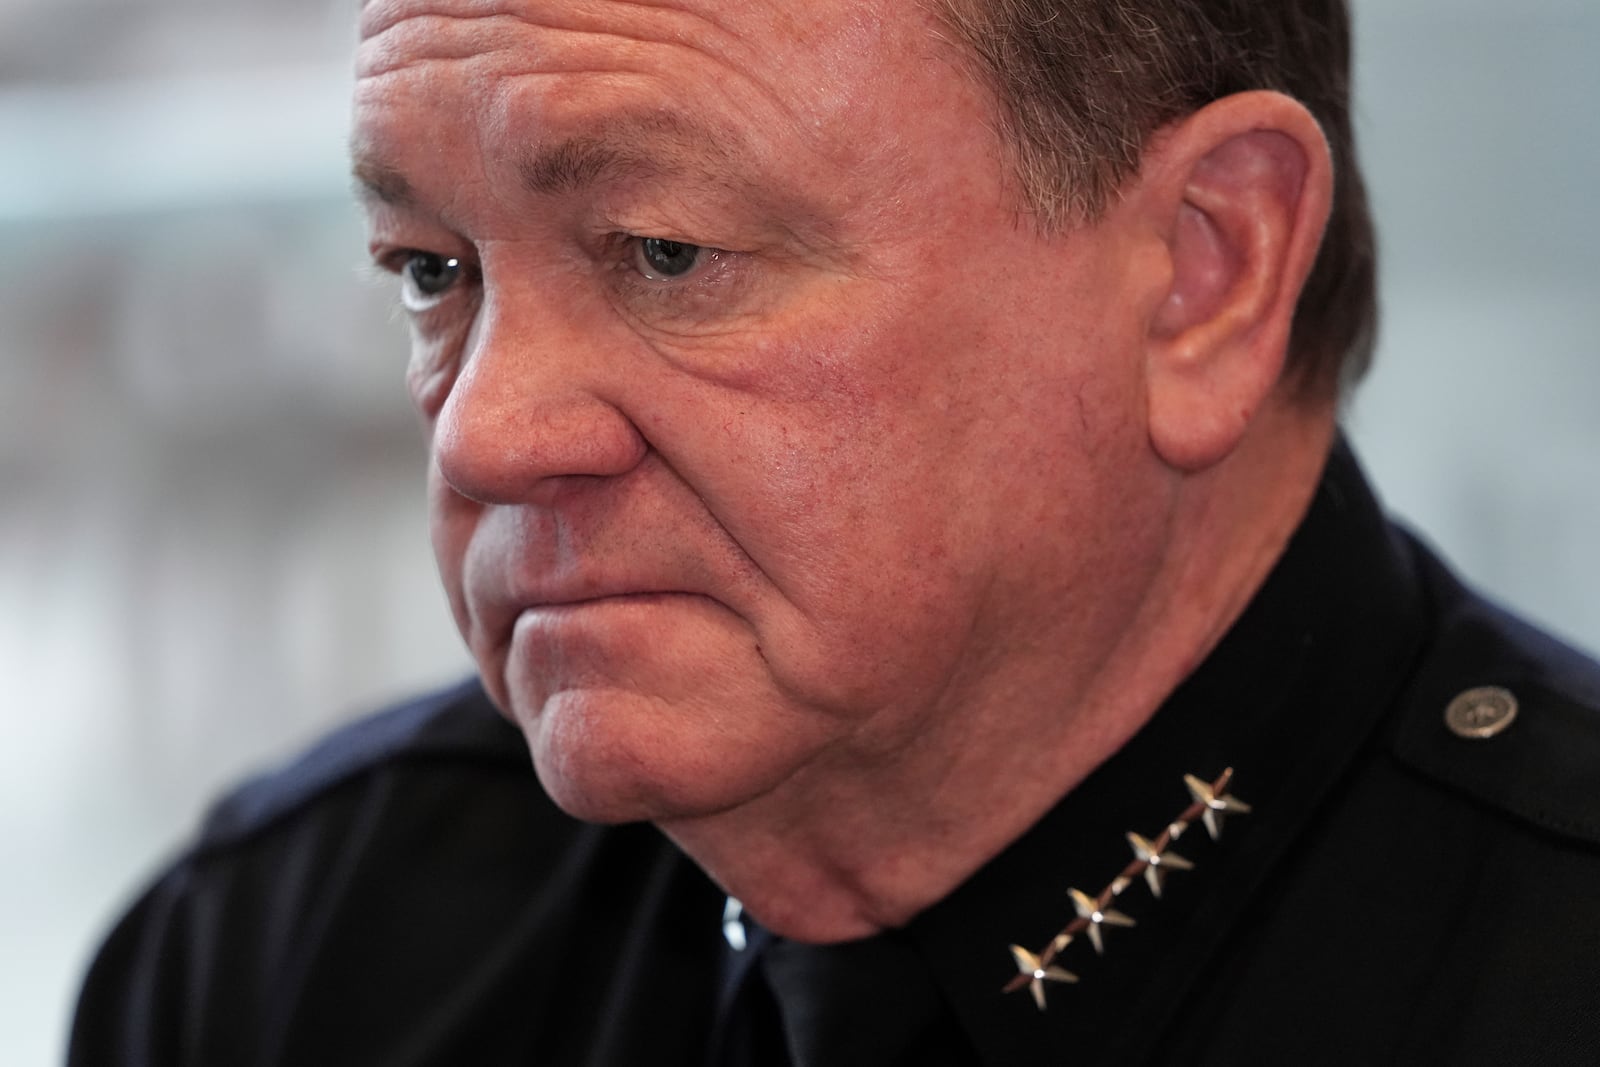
(1481, 713)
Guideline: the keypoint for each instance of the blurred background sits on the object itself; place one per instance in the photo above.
(211, 535)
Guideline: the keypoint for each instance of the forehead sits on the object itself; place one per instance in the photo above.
(794, 54)
(556, 94)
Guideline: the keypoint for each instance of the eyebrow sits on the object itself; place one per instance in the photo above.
(376, 180)
(646, 145)
(649, 144)
(580, 162)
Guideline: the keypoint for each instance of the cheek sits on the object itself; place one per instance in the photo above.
(440, 338)
(828, 472)
(429, 374)
(905, 479)
(451, 521)
(822, 450)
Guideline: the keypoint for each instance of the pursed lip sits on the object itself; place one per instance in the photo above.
(500, 613)
(625, 596)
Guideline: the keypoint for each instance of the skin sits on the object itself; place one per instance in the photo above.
(842, 555)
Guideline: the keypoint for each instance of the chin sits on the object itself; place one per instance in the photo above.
(610, 756)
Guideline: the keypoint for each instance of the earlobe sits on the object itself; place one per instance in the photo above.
(1241, 192)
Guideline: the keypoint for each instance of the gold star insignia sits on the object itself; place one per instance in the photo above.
(1157, 862)
(1034, 973)
(1216, 804)
(1089, 908)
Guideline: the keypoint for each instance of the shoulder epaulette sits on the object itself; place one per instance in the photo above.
(1506, 714)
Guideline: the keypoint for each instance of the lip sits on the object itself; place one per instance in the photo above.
(648, 596)
(603, 625)
(572, 602)
(529, 564)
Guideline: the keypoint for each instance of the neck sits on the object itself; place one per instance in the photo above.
(859, 844)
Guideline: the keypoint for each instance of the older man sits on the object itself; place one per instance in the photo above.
(890, 447)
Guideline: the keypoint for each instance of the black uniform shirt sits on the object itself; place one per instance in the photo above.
(406, 894)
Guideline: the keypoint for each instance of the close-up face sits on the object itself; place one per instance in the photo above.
(766, 435)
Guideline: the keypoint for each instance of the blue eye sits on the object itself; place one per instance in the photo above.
(431, 274)
(660, 258)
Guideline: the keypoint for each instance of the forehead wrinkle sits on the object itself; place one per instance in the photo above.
(650, 24)
(380, 15)
(431, 38)
(454, 29)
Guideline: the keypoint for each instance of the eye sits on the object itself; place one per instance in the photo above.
(658, 258)
(428, 274)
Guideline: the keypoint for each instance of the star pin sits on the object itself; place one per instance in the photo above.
(1157, 862)
(1034, 973)
(1211, 801)
(1216, 801)
(1089, 908)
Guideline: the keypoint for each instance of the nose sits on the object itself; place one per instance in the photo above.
(528, 409)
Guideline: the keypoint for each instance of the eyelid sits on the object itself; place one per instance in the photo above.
(722, 289)
(707, 260)
(628, 246)
(394, 259)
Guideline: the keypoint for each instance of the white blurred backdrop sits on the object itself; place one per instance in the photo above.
(211, 534)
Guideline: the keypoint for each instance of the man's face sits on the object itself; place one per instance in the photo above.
(767, 441)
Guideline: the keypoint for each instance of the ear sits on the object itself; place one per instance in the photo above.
(1238, 193)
